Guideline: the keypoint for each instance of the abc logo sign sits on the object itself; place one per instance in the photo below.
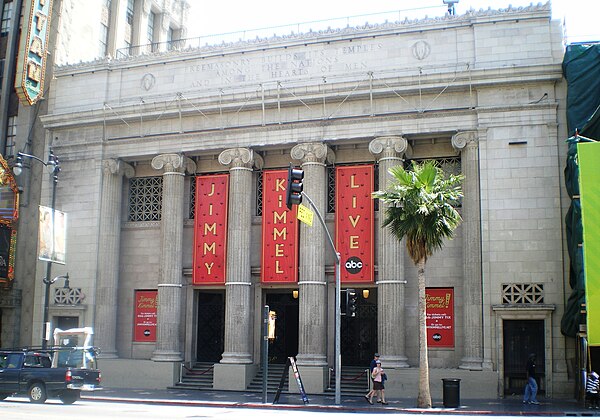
(354, 265)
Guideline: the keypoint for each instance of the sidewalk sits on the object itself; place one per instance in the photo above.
(508, 406)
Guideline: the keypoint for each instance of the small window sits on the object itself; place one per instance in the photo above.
(6, 16)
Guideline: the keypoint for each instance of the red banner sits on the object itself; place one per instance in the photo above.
(440, 317)
(279, 232)
(354, 222)
(146, 302)
(210, 229)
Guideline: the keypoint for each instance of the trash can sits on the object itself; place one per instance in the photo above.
(451, 392)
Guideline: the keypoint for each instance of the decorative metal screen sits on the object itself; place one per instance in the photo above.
(145, 199)
(450, 165)
(192, 197)
(68, 296)
(331, 189)
(259, 193)
(514, 293)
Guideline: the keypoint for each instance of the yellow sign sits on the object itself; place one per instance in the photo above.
(305, 215)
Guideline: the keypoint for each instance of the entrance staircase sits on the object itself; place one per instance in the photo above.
(200, 377)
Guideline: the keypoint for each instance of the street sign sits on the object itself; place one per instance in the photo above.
(305, 215)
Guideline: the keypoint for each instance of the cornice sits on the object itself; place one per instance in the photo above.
(469, 18)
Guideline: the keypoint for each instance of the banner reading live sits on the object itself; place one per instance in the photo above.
(354, 222)
(210, 229)
(280, 232)
(146, 302)
(440, 317)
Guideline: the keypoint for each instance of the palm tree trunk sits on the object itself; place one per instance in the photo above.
(424, 397)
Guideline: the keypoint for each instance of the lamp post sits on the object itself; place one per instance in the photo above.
(53, 166)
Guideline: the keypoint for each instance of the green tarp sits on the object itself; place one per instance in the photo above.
(581, 69)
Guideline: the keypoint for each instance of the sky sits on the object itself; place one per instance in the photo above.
(226, 16)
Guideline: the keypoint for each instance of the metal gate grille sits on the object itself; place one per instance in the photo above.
(359, 333)
(521, 338)
(211, 327)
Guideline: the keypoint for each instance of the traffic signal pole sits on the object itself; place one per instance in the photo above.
(338, 309)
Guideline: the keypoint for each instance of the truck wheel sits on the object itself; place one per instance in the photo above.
(69, 396)
(37, 393)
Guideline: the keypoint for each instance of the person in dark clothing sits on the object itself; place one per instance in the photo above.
(531, 386)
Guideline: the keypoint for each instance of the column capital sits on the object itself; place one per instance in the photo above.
(117, 167)
(241, 157)
(464, 138)
(313, 153)
(388, 146)
(174, 162)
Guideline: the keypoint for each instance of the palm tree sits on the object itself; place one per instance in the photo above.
(421, 208)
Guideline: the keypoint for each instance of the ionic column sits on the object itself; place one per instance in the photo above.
(466, 142)
(105, 323)
(238, 284)
(168, 340)
(391, 327)
(312, 285)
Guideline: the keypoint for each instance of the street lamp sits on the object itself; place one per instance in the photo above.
(53, 166)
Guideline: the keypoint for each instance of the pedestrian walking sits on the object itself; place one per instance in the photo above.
(379, 378)
(372, 392)
(531, 387)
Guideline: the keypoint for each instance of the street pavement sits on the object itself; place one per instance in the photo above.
(507, 406)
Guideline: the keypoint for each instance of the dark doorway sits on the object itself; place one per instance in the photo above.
(359, 333)
(211, 326)
(66, 323)
(521, 338)
(286, 326)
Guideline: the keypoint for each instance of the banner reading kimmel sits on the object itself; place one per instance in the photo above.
(354, 222)
(279, 232)
(210, 229)
(440, 317)
(146, 302)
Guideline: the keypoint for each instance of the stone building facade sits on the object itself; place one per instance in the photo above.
(482, 93)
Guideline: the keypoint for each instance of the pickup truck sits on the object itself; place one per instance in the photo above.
(42, 374)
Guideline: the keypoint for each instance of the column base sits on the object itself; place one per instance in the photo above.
(311, 360)
(471, 363)
(166, 356)
(394, 362)
(233, 377)
(236, 358)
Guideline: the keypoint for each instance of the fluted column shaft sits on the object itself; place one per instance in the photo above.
(108, 255)
(391, 321)
(238, 284)
(168, 329)
(312, 285)
(472, 358)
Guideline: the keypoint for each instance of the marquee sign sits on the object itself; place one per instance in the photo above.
(210, 229)
(31, 62)
(280, 232)
(440, 317)
(146, 302)
(354, 222)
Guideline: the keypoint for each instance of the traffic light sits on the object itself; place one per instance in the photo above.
(294, 187)
(351, 298)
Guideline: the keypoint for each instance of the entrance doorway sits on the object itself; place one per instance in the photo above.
(359, 333)
(521, 338)
(211, 326)
(286, 326)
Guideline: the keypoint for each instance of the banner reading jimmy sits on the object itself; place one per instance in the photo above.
(52, 235)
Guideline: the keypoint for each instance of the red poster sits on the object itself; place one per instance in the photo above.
(210, 229)
(146, 302)
(280, 232)
(440, 317)
(354, 222)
